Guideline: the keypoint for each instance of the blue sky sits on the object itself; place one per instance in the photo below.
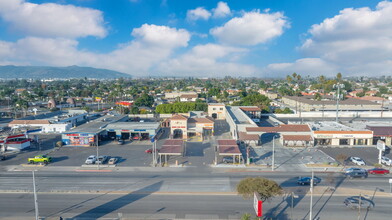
(263, 38)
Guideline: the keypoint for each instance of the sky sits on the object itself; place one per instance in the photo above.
(201, 38)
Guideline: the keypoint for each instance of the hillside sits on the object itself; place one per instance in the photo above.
(12, 72)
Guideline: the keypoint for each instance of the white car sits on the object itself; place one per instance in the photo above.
(386, 161)
(91, 159)
(358, 161)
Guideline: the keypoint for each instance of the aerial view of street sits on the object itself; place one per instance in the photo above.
(195, 110)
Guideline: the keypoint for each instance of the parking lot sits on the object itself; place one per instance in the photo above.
(368, 154)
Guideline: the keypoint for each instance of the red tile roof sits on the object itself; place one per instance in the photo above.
(227, 142)
(281, 128)
(201, 120)
(243, 136)
(250, 109)
(29, 122)
(343, 132)
(229, 150)
(178, 117)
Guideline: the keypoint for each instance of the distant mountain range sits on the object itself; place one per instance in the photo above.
(45, 72)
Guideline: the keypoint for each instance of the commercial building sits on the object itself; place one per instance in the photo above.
(184, 127)
(217, 110)
(90, 134)
(308, 103)
(336, 134)
(133, 130)
(383, 133)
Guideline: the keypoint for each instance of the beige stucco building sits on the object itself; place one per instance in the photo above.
(217, 110)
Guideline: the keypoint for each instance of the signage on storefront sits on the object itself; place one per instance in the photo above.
(140, 130)
(73, 135)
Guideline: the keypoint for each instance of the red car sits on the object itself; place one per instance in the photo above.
(149, 151)
(378, 171)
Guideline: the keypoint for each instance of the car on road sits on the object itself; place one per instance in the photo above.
(91, 159)
(113, 160)
(357, 174)
(40, 159)
(358, 161)
(356, 202)
(378, 171)
(353, 169)
(120, 141)
(306, 180)
(102, 159)
(386, 161)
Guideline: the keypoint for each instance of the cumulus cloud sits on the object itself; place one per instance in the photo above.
(305, 66)
(198, 13)
(221, 10)
(210, 60)
(134, 57)
(252, 28)
(357, 40)
(52, 20)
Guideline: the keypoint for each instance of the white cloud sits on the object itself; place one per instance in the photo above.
(356, 40)
(252, 28)
(209, 60)
(52, 20)
(135, 57)
(221, 10)
(305, 66)
(198, 13)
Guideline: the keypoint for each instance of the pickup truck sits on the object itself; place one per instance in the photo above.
(40, 159)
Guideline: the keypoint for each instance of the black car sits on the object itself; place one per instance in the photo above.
(306, 180)
(356, 202)
(357, 174)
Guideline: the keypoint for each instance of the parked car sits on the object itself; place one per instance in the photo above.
(356, 202)
(386, 151)
(358, 161)
(386, 161)
(91, 159)
(149, 151)
(102, 159)
(357, 174)
(353, 169)
(40, 159)
(113, 160)
(120, 141)
(228, 160)
(378, 171)
(306, 180)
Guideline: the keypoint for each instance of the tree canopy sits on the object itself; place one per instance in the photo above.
(144, 100)
(181, 107)
(265, 187)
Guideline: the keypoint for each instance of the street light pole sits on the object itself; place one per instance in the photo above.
(273, 153)
(97, 161)
(311, 197)
(35, 199)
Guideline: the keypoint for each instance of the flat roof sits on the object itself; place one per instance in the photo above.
(349, 101)
(237, 115)
(133, 125)
(332, 126)
(97, 125)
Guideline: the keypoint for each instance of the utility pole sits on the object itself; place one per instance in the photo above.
(97, 153)
(311, 197)
(338, 86)
(35, 199)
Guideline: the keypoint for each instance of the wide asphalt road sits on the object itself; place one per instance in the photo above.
(171, 180)
(151, 206)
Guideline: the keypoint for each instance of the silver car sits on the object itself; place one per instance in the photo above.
(91, 159)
